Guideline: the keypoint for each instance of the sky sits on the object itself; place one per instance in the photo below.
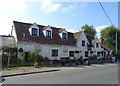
(71, 15)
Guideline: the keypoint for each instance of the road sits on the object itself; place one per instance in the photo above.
(97, 74)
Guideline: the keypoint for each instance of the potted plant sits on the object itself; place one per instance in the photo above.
(36, 64)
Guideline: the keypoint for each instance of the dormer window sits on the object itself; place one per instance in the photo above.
(64, 36)
(48, 33)
(34, 32)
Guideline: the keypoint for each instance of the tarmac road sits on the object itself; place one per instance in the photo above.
(97, 74)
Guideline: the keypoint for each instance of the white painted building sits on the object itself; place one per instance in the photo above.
(82, 44)
(97, 49)
(54, 43)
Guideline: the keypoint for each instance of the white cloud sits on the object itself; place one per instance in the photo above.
(7, 6)
(68, 8)
(49, 6)
(99, 28)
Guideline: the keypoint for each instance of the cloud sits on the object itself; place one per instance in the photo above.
(7, 6)
(49, 6)
(68, 8)
(99, 28)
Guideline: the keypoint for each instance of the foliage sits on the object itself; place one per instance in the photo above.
(89, 30)
(26, 59)
(32, 57)
(40, 59)
(20, 60)
(108, 37)
(4, 59)
(7, 49)
(13, 59)
(10, 56)
(46, 60)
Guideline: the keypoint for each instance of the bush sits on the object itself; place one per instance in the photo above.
(46, 61)
(20, 60)
(4, 60)
(40, 59)
(31, 57)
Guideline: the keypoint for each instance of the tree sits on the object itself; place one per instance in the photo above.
(89, 30)
(108, 36)
(11, 54)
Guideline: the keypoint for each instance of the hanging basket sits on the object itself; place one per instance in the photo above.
(21, 50)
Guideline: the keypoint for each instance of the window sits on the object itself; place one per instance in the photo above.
(64, 35)
(91, 52)
(55, 53)
(97, 45)
(89, 48)
(98, 53)
(86, 53)
(48, 33)
(34, 31)
(83, 43)
(71, 53)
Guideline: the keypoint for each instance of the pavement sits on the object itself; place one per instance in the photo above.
(95, 74)
(8, 73)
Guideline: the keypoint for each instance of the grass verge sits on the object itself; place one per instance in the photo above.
(25, 67)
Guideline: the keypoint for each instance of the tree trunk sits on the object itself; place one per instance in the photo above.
(8, 63)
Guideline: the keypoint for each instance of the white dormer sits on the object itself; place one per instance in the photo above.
(47, 31)
(34, 30)
(63, 34)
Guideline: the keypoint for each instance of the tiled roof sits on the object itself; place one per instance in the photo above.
(21, 28)
(60, 30)
(105, 47)
(77, 34)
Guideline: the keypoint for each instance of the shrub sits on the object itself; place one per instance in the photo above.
(32, 56)
(40, 59)
(20, 60)
(4, 60)
(46, 61)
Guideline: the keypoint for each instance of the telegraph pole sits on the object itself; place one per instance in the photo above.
(116, 42)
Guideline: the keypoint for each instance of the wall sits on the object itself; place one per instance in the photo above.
(8, 41)
(99, 49)
(45, 49)
(82, 48)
